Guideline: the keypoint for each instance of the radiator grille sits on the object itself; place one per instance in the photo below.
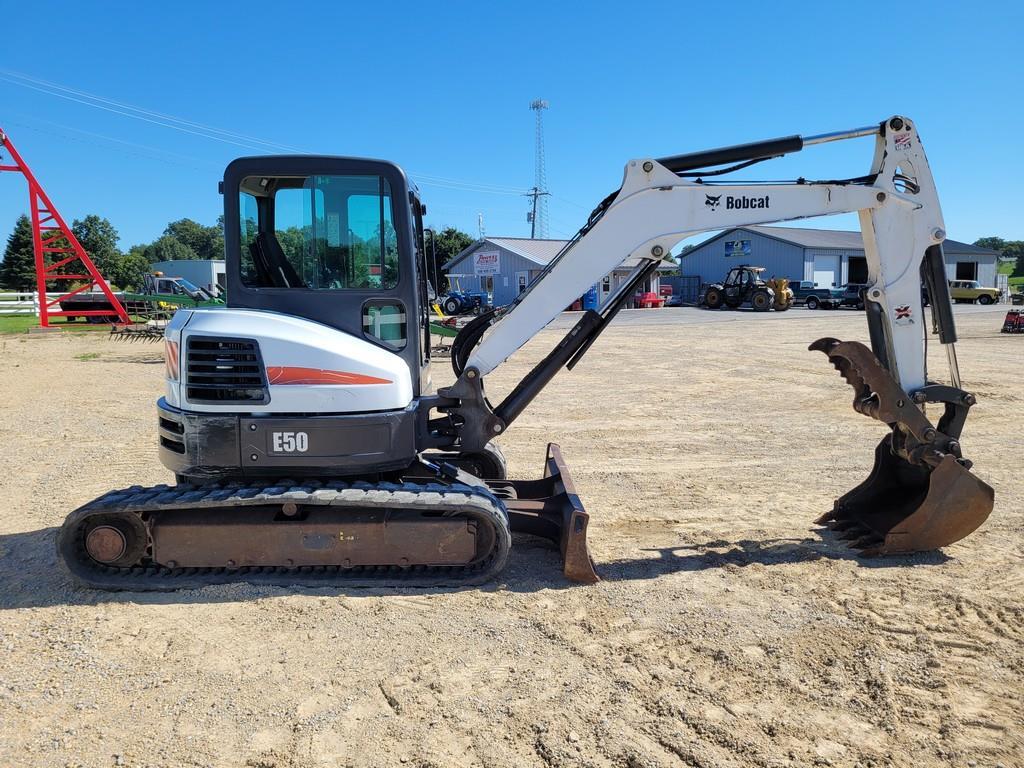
(225, 370)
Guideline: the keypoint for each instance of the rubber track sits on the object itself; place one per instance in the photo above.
(452, 499)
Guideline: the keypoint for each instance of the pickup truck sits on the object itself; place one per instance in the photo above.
(804, 292)
(848, 296)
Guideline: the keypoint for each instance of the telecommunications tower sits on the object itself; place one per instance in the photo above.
(538, 216)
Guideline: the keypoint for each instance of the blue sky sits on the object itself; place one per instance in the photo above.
(444, 89)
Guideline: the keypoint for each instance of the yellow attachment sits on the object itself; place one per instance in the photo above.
(783, 294)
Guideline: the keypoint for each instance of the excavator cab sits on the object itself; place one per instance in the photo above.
(334, 240)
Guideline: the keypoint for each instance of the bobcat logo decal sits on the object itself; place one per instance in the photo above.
(712, 202)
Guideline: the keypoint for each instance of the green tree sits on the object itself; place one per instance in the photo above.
(131, 269)
(447, 244)
(18, 269)
(995, 243)
(205, 242)
(168, 248)
(99, 239)
(1013, 249)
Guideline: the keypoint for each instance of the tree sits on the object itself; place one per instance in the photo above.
(168, 248)
(99, 239)
(205, 242)
(442, 248)
(1013, 249)
(995, 243)
(18, 269)
(131, 269)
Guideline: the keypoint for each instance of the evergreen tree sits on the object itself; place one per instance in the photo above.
(18, 269)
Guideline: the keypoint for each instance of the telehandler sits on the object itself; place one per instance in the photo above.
(308, 445)
(744, 284)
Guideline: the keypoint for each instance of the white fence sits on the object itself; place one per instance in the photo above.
(21, 303)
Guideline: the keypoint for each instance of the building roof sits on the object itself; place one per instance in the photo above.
(540, 252)
(833, 238)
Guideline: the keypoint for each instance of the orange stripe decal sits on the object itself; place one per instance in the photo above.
(289, 375)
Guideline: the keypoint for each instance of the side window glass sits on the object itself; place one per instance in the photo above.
(374, 241)
(387, 322)
(247, 231)
(298, 222)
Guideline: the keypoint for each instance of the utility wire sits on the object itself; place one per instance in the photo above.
(212, 132)
(56, 89)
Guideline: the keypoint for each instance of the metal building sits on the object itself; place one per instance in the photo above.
(504, 266)
(827, 257)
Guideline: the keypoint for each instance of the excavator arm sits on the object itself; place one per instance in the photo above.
(921, 494)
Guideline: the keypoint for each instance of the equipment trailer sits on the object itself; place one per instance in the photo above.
(308, 445)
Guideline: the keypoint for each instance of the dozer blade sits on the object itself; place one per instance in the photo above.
(920, 494)
(903, 508)
(550, 508)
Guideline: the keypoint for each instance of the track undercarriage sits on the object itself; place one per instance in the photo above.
(419, 532)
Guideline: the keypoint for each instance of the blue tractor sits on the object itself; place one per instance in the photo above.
(460, 302)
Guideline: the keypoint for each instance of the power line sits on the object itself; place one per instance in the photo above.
(214, 133)
(170, 121)
(148, 152)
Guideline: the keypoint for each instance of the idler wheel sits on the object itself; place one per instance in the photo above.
(117, 540)
(105, 544)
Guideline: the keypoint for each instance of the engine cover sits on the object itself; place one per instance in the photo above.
(224, 360)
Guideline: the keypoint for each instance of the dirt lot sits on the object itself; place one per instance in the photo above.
(726, 632)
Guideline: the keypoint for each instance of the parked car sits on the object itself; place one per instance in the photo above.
(848, 296)
(805, 292)
(971, 291)
(1017, 298)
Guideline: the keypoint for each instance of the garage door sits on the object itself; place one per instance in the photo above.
(826, 270)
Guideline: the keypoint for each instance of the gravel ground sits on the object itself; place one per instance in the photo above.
(727, 630)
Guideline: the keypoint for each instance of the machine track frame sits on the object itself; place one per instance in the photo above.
(130, 520)
(153, 506)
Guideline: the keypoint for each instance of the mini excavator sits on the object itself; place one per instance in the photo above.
(308, 444)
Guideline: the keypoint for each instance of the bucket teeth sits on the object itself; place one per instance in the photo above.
(873, 551)
(903, 507)
(867, 542)
(840, 526)
(855, 533)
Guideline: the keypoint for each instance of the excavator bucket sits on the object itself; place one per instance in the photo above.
(920, 494)
(904, 508)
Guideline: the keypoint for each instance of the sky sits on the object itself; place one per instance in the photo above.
(135, 108)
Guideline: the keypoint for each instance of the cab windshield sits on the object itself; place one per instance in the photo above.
(318, 232)
(193, 290)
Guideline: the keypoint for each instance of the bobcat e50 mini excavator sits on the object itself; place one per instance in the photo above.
(309, 448)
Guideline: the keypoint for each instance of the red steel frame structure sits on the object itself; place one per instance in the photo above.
(48, 229)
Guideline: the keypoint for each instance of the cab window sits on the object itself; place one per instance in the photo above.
(318, 232)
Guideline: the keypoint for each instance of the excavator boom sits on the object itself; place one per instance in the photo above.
(920, 474)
